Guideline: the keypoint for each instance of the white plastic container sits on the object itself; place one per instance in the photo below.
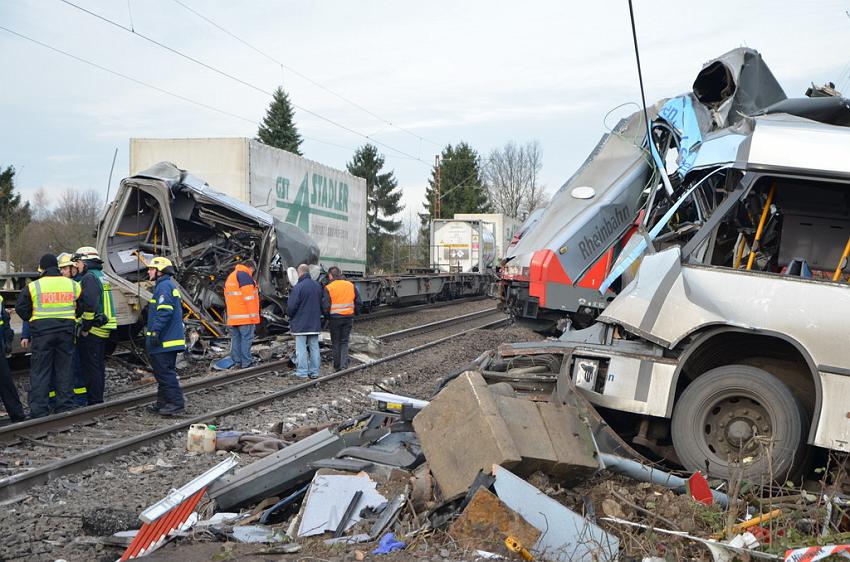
(201, 439)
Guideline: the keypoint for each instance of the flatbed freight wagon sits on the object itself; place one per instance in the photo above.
(328, 204)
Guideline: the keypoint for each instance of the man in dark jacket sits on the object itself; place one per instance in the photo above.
(304, 308)
(340, 302)
(165, 336)
(8, 392)
(51, 305)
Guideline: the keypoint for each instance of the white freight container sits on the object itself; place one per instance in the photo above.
(327, 203)
(502, 227)
(464, 246)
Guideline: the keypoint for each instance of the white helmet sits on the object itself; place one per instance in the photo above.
(86, 253)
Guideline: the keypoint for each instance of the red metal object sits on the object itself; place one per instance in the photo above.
(151, 535)
(699, 490)
(546, 268)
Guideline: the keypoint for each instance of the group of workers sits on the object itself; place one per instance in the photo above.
(68, 315)
(308, 302)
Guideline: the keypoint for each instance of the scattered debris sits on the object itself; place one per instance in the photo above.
(486, 521)
(387, 544)
(566, 535)
(327, 492)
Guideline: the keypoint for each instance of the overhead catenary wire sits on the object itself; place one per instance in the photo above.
(239, 80)
(304, 76)
(149, 85)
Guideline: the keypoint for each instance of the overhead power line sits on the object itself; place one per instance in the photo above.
(304, 76)
(149, 85)
(239, 80)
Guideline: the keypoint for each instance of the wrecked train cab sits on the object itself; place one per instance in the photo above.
(166, 211)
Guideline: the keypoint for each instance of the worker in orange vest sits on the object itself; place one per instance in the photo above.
(243, 311)
(340, 301)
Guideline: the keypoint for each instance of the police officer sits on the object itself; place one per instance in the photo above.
(50, 304)
(165, 336)
(243, 312)
(97, 321)
(340, 300)
(8, 392)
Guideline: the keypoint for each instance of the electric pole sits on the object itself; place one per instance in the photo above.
(437, 197)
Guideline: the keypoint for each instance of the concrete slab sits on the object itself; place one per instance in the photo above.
(462, 432)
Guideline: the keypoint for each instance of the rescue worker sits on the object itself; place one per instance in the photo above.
(243, 311)
(304, 308)
(68, 267)
(8, 391)
(50, 304)
(164, 336)
(340, 301)
(97, 322)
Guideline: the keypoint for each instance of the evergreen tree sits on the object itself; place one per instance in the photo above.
(461, 183)
(383, 199)
(12, 212)
(278, 128)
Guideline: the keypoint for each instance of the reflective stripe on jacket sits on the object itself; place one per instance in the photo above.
(341, 293)
(54, 297)
(106, 306)
(165, 317)
(241, 297)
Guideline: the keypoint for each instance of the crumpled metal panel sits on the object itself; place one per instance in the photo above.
(667, 301)
(177, 179)
(617, 170)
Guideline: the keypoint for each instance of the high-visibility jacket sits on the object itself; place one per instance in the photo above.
(165, 317)
(54, 298)
(241, 297)
(342, 296)
(106, 306)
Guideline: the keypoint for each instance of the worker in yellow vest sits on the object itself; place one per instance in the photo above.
(340, 301)
(243, 312)
(50, 305)
(96, 323)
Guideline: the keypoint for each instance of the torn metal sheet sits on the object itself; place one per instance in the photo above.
(276, 473)
(566, 536)
(329, 496)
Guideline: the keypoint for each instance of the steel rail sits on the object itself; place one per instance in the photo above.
(16, 485)
(431, 326)
(386, 311)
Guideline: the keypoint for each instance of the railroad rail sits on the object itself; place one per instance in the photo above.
(431, 326)
(387, 311)
(34, 432)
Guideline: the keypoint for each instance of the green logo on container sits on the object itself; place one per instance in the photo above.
(325, 198)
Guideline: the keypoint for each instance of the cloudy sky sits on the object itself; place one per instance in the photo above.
(485, 72)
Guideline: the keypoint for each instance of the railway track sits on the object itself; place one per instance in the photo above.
(388, 311)
(36, 451)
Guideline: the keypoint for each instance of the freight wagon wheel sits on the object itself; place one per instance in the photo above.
(739, 414)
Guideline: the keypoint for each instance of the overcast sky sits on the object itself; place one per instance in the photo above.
(485, 72)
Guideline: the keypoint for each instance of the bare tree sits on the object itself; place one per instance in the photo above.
(511, 174)
(69, 224)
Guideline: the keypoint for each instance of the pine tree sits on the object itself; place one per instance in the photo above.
(383, 199)
(12, 212)
(278, 128)
(461, 183)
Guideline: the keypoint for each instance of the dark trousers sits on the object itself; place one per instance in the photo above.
(91, 349)
(51, 357)
(168, 391)
(8, 392)
(79, 379)
(340, 328)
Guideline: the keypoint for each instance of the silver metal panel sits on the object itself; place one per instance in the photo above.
(633, 383)
(833, 431)
(784, 141)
